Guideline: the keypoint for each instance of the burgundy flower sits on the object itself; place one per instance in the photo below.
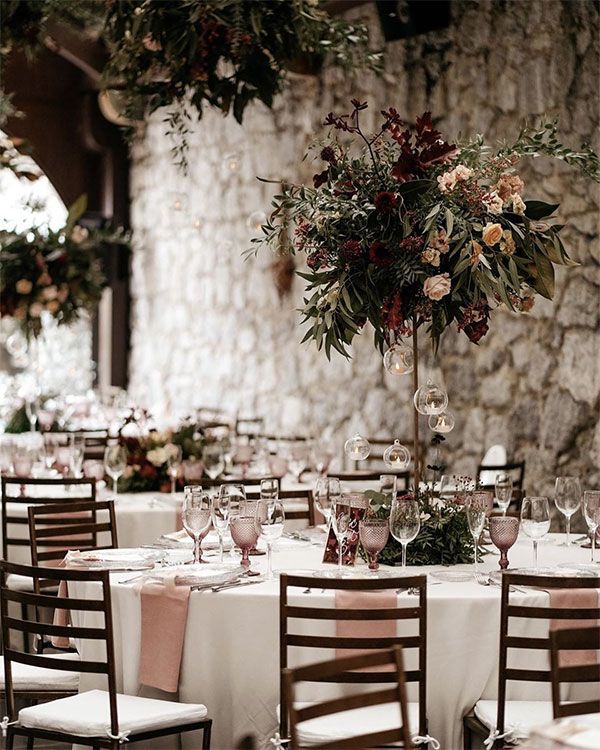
(328, 155)
(392, 315)
(321, 178)
(412, 244)
(386, 202)
(345, 188)
(379, 254)
(476, 331)
(315, 260)
(351, 251)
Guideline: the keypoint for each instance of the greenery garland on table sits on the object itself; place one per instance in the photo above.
(402, 228)
(56, 272)
(224, 53)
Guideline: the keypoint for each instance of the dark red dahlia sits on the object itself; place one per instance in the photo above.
(379, 254)
(328, 155)
(321, 178)
(392, 315)
(386, 202)
(476, 331)
(351, 251)
(412, 244)
(315, 260)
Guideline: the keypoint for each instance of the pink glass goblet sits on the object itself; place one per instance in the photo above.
(244, 532)
(374, 534)
(504, 531)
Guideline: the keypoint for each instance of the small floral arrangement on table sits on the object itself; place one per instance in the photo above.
(444, 537)
(148, 457)
(403, 229)
(56, 272)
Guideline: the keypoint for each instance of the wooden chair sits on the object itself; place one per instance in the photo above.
(358, 477)
(577, 639)
(293, 624)
(516, 469)
(97, 718)
(338, 669)
(293, 498)
(482, 722)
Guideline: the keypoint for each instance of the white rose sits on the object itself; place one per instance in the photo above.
(437, 287)
(157, 457)
(493, 202)
(446, 182)
(462, 173)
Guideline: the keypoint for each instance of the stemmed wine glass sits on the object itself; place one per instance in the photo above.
(504, 531)
(567, 498)
(298, 458)
(244, 530)
(327, 493)
(214, 461)
(49, 450)
(503, 490)
(269, 489)
(340, 523)
(31, 412)
(115, 461)
(235, 496)
(387, 484)
(220, 517)
(535, 521)
(477, 508)
(196, 516)
(373, 534)
(404, 522)
(174, 465)
(77, 454)
(270, 524)
(591, 512)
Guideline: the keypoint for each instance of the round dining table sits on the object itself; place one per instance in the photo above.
(230, 658)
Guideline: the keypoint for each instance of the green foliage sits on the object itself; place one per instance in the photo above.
(19, 422)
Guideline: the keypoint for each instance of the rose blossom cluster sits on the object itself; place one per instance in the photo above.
(437, 246)
(448, 180)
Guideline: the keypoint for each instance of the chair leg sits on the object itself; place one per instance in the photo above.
(25, 635)
(467, 737)
(206, 735)
(10, 739)
(30, 741)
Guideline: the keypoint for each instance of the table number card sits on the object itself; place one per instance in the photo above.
(357, 503)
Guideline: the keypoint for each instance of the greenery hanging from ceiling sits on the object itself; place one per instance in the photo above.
(224, 53)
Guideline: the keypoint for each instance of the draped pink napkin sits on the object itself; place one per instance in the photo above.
(164, 618)
(574, 599)
(179, 517)
(387, 599)
(61, 617)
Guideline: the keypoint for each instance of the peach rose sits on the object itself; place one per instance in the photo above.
(462, 173)
(50, 292)
(53, 306)
(436, 287)
(509, 184)
(23, 286)
(36, 309)
(446, 182)
(518, 204)
(431, 255)
(491, 234)
(439, 242)
(507, 244)
(493, 202)
(476, 251)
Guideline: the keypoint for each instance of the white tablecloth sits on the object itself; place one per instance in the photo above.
(231, 660)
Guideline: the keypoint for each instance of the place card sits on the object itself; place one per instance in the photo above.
(357, 505)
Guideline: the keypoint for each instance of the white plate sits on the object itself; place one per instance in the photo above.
(113, 559)
(205, 574)
(453, 576)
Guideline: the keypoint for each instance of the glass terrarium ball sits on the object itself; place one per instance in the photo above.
(398, 360)
(357, 448)
(255, 220)
(397, 456)
(430, 399)
(442, 423)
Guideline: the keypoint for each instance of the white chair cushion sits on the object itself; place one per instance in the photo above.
(354, 723)
(26, 677)
(88, 714)
(519, 718)
(15, 582)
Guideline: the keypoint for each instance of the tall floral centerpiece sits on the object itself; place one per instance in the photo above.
(408, 232)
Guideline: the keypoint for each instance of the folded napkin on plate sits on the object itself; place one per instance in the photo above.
(364, 628)
(164, 618)
(574, 599)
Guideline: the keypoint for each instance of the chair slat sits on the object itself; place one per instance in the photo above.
(54, 602)
(554, 613)
(38, 660)
(73, 529)
(43, 628)
(347, 703)
(322, 613)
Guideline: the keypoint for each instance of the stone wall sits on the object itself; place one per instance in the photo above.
(209, 328)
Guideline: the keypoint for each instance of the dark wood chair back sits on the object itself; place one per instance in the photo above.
(15, 493)
(516, 469)
(517, 644)
(297, 497)
(357, 477)
(290, 634)
(207, 483)
(576, 639)
(57, 528)
(338, 669)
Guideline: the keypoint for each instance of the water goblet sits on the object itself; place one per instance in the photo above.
(477, 504)
(567, 498)
(504, 531)
(591, 512)
(535, 522)
(115, 461)
(214, 461)
(236, 497)
(174, 462)
(327, 492)
(374, 534)
(196, 516)
(503, 490)
(50, 445)
(270, 525)
(404, 522)
(220, 518)
(244, 532)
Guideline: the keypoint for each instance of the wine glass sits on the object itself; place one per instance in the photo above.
(477, 508)
(115, 461)
(220, 518)
(214, 461)
(269, 489)
(535, 521)
(504, 531)
(49, 450)
(174, 461)
(270, 523)
(321, 457)
(196, 516)
(503, 490)
(244, 530)
(235, 496)
(567, 498)
(404, 522)
(340, 523)
(447, 487)
(31, 412)
(327, 492)
(298, 458)
(387, 484)
(374, 534)
(77, 454)
(591, 513)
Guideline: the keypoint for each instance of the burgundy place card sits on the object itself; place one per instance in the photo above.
(358, 503)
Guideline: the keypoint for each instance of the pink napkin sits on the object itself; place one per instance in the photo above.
(164, 618)
(574, 599)
(364, 628)
(62, 617)
(179, 517)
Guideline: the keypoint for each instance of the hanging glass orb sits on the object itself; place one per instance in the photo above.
(256, 220)
(430, 399)
(357, 448)
(442, 423)
(231, 164)
(397, 456)
(398, 360)
(180, 202)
